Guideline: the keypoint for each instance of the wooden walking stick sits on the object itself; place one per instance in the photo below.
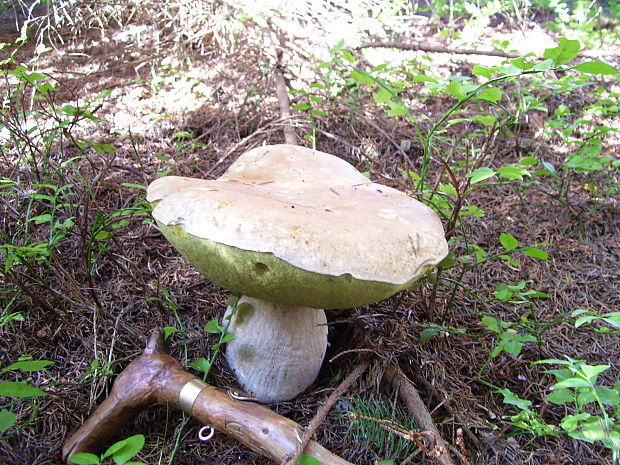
(155, 377)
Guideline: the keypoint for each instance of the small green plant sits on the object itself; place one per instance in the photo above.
(311, 102)
(120, 452)
(525, 420)
(98, 369)
(213, 327)
(576, 385)
(430, 330)
(509, 338)
(512, 335)
(589, 318)
(19, 389)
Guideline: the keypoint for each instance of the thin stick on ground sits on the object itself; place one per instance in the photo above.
(323, 411)
(412, 399)
(280, 84)
(437, 49)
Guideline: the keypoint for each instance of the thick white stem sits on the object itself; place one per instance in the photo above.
(278, 349)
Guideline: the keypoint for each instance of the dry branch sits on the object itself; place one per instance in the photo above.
(280, 84)
(321, 414)
(437, 49)
(411, 398)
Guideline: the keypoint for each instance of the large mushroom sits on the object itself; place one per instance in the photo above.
(295, 231)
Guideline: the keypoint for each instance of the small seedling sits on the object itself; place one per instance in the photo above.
(213, 327)
(120, 452)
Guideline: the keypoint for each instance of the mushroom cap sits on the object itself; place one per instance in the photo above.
(297, 226)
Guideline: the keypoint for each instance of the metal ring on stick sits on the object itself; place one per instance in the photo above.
(205, 437)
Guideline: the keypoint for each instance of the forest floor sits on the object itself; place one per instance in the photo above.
(190, 108)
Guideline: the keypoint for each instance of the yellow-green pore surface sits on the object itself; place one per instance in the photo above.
(264, 276)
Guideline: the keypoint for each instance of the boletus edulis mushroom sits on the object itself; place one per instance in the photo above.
(295, 231)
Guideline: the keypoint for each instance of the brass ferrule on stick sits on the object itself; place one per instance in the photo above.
(189, 393)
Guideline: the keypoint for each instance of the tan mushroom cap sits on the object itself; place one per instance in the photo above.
(289, 213)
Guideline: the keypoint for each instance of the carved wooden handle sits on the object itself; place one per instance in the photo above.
(157, 377)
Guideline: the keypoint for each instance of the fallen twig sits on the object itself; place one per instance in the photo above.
(322, 412)
(410, 396)
(280, 83)
(438, 49)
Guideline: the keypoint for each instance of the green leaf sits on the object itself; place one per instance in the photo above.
(563, 53)
(201, 364)
(33, 77)
(513, 172)
(85, 458)
(305, 459)
(510, 260)
(511, 398)
(485, 71)
(101, 235)
(456, 89)
(592, 429)
(521, 63)
(608, 396)
(382, 95)
(585, 396)
(561, 396)
(596, 67)
(584, 319)
(227, 338)
(28, 365)
(502, 293)
(40, 219)
(133, 186)
(396, 109)
(480, 174)
(19, 390)
(571, 422)
(508, 241)
(448, 261)
(301, 106)
(422, 78)
(169, 330)
(535, 252)
(213, 327)
(545, 65)
(573, 383)
(490, 94)
(528, 161)
(487, 120)
(132, 446)
(549, 167)
(243, 307)
(385, 462)
(362, 77)
(113, 448)
(7, 419)
(612, 318)
(348, 56)
(592, 371)
(428, 333)
(491, 323)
